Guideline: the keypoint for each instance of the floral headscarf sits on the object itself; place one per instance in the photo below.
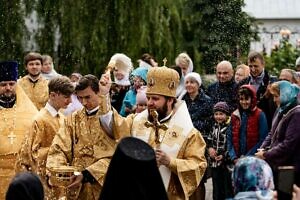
(288, 94)
(252, 174)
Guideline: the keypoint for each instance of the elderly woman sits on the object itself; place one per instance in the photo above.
(242, 71)
(252, 179)
(200, 107)
(281, 146)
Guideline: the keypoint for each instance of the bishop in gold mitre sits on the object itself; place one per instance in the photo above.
(16, 114)
(169, 130)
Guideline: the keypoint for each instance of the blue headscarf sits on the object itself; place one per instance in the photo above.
(252, 174)
(288, 94)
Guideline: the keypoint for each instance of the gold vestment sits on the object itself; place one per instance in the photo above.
(14, 124)
(181, 141)
(34, 151)
(36, 91)
(82, 143)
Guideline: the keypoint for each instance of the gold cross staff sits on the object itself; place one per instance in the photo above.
(156, 125)
(11, 137)
(165, 61)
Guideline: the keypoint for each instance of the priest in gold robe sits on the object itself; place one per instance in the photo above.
(34, 85)
(33, 154)
(166, 125)
(83, 144)
(16, 114)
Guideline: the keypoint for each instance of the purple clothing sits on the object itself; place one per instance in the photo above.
(283, 140)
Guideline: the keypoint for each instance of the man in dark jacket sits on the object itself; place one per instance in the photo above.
(225, 88)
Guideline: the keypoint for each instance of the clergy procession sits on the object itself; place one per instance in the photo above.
(155, 131)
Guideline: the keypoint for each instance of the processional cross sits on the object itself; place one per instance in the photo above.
(156, 125)
(11, 137)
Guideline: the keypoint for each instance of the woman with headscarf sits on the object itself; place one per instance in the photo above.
(252, 179)
(281, 146)
(25, 186)
(185, 63)
(48, 71)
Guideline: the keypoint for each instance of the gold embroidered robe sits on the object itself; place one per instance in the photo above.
(181, 141)
(34, 151)
(82, 143)
(14, 124)
(37, 92)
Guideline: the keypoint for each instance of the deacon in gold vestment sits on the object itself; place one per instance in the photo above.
(179, 146)
(16, 115)
(82, 143)
(34, 151)
(34, 85)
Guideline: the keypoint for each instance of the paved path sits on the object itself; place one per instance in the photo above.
(208, 187)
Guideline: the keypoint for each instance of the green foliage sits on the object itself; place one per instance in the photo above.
(91, 31)
(283, 56)
(13, 31)
(82, 35)
(221, 31)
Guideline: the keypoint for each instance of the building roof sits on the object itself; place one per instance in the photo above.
(273, 9)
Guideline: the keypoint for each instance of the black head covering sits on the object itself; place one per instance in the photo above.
(133, 173)
(25, 186)
(8, 71)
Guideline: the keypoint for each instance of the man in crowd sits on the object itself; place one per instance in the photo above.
(33, 154)
(166, 125)
(260, 79)
(34, 85)
(16, 114)
(225, 88)
(83, 144)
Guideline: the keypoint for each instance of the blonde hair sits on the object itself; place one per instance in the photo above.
(245, 68)
(274, 89)
(185, 59)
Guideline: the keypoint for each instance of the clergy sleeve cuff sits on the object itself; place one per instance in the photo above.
(104, 105)
(87, 177)
(173, 166)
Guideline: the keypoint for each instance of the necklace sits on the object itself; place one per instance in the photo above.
(9, 124)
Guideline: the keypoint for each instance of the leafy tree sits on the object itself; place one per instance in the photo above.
(282, 56)
(219, 30)
(13, 30)
(91, 31)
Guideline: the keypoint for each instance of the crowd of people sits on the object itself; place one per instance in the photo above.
(65, 137)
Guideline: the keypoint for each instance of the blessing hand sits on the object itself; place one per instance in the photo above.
(104, 84)
(162, 158)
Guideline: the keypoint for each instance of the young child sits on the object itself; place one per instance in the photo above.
(217, 150)
(141, 100)
(248, 125)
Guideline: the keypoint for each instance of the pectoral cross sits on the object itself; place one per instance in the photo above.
(156, 125)
(11, 137)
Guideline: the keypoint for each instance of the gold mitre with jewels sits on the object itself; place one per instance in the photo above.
(162, 81)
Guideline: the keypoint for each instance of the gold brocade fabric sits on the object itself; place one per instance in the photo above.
(14, 124)
(187, 167)
(82, 143)
(37, 92)
(35, 147)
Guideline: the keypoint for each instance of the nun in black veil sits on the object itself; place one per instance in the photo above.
(133, 173)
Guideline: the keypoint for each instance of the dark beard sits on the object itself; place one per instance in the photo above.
(7, 101)
(162, 113)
